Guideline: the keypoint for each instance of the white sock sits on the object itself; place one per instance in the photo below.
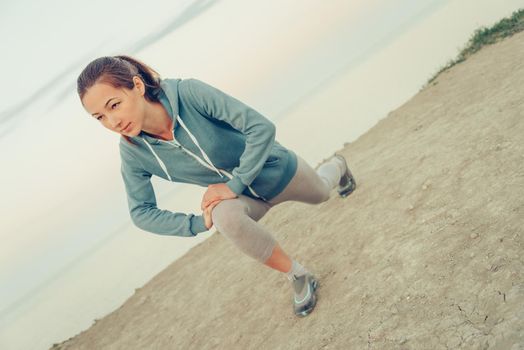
(341, 165)
(296, 270)
(331, 172)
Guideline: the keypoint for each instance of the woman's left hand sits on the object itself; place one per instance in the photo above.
(216, 191)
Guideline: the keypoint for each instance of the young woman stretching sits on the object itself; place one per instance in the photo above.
(184, 130)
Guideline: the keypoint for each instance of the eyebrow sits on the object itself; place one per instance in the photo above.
(112, 98)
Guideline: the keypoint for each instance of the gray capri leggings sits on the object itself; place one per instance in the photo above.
(237, 218)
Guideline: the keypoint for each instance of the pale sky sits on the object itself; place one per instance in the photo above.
(64, 210)
(65, 162)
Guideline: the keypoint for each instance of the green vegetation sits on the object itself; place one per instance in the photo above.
(485, 36)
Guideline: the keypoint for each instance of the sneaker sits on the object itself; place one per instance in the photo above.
(347, 182)
(305, 297)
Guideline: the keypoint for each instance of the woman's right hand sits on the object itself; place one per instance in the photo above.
(207, 213)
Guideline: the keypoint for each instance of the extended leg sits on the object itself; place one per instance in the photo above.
(310, 185)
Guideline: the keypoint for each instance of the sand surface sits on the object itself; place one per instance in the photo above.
(427, 253)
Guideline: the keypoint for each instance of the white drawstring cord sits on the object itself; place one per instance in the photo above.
(164, 168)
(162, 165)
(198, 145)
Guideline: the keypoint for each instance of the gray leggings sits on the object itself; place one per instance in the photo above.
(237, 218)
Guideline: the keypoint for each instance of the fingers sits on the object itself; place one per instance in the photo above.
(207, 203)
(205, 199)
(212, 203)
(204, 203)
(216, 191)
(207, 213)
(208, 197)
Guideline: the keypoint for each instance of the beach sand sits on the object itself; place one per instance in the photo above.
(425, 254)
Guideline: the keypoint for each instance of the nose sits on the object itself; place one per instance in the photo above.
(114, 121)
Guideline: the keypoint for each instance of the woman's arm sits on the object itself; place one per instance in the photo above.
(143, 206)
(259, 131)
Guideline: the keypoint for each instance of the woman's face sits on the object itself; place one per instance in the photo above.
(120, 110)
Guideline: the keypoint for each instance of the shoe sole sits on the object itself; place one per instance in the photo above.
(314, 285)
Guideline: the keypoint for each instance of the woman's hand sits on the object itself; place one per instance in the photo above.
(208, 221)
(215, 192)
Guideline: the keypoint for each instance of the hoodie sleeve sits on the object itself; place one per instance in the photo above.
(143, 209)
(258, 130)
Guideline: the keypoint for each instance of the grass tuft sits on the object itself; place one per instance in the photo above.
(483, 36)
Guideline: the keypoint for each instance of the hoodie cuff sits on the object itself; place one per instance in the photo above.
(236, 185)
(198, 224)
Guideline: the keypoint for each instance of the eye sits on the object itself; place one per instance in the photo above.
(113, 105)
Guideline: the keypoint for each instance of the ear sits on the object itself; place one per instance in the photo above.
(139, 85)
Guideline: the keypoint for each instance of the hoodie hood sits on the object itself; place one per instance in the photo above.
(168, 95)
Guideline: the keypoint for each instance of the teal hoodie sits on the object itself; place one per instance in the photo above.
(216, 139)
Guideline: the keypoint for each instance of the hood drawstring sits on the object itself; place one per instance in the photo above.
(211, 166)
(163, 166)
(196, 143)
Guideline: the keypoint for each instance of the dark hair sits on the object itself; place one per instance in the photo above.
(118, 71)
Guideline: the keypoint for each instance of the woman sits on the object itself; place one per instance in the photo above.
(184, 130)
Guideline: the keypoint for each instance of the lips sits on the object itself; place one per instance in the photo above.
(126, 128)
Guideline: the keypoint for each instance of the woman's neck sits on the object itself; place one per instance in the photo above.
(157, 122)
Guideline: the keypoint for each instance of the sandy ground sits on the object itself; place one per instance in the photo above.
(427, 253)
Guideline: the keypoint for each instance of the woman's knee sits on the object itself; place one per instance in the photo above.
(226, 214)
(231, 218)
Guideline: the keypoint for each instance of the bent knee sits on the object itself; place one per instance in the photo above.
(225, 215)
